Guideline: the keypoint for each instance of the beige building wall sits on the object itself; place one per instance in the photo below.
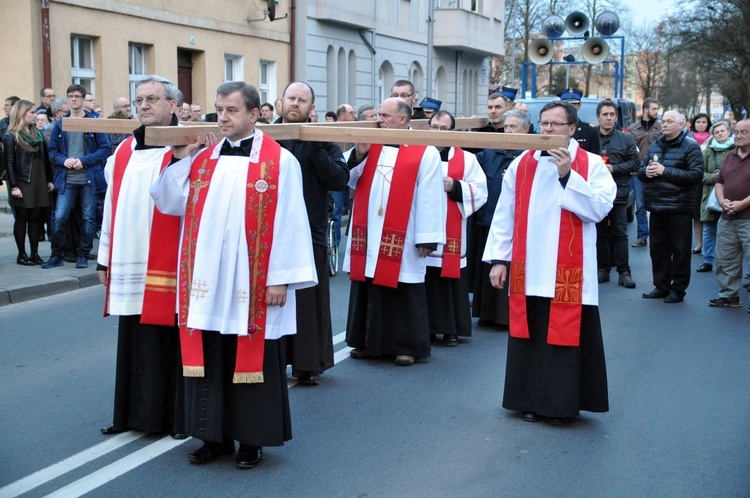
(209, 30)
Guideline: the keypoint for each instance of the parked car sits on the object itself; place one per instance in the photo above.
(587, 112)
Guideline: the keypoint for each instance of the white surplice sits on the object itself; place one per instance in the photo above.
(425, 225)
(135, 208)
(474, 195)
(590, 199)
(221, 271)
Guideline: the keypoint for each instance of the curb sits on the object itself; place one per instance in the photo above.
(20, 294)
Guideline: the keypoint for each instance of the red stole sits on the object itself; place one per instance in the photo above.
(401, 194)
(261, 201)
(565, 310)
(454, 222)
(161, 271)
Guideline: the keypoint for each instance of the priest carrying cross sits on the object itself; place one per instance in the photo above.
(545, 227)
(395, 224)
(246, 247)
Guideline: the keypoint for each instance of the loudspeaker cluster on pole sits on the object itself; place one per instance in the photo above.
(595, 49)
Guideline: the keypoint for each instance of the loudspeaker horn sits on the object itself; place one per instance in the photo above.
(607, 23)
(595, 50)
(541, 51)
(553, 27)
(576, 23)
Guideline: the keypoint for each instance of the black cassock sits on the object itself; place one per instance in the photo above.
(149, 390)
(556, 381)
(448, 305)
(256, 414)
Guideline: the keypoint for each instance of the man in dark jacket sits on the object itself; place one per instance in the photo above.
(669, 172)
(621, 159)
(585, 133)
(78, 159)
(645, 131)
(310, 350)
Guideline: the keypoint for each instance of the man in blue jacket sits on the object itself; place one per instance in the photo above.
(79, 173)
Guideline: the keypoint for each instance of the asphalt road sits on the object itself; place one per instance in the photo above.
(679, 380)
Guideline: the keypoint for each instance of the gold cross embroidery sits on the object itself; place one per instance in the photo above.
(359, 239)
(392, 245)
(453, 247)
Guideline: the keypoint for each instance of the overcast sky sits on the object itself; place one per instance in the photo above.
(650, 10)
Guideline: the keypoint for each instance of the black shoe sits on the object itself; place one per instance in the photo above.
(210, 452)
(626, 280)
(603, 276)
(53, 262)
(110, 429)
(433, 337)
(179, 436)
(36, 259)
(358, 354)
(655, 294)
(673, 297)
(24, 260)
(249, 456)
(308, 379)
(561, 421)
(486, 323)
(450, 340)
(530, 417)
(705, 267)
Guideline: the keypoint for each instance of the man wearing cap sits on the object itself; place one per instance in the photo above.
(585, 133)
(510, 94)
(430, 106)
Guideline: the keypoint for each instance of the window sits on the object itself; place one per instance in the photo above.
(233, 68)
(267, 81)
(82, 61)
(137, 65)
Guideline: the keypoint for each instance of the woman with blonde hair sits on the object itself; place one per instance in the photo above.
(29, 178)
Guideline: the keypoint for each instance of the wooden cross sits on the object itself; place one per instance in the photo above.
(352, 132)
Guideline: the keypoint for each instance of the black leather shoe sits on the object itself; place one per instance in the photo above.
(450, 340)
(561, 421)
(705, 268)
(655, 294)
(210, 452)
(23, 260)
(110, 429)
(36, 259)
(179, 436)
(308, 379)
(530, 417)
(249, 456)
(673, 297)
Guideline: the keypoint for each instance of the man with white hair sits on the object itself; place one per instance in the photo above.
(669, 172)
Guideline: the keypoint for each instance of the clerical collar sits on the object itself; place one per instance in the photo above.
(241, 143)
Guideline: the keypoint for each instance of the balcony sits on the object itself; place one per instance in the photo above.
(460, 26)
(359, 14)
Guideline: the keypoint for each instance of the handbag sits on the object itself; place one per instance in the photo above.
(713, 202)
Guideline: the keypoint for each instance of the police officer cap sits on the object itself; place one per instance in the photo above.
(431, 104)
(571, 96)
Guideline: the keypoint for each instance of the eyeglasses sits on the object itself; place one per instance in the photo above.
(440, 128)
(151, 99)
(402, 95)
(553, 124)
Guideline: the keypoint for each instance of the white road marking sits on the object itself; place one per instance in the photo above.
(118, 468)
(71, 463)
(121, 466)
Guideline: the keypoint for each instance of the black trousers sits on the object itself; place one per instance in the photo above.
(612, 240)
(671, 238)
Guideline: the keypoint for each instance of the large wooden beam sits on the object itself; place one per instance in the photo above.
(356, 132)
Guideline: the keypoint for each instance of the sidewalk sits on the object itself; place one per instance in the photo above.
(23, 283)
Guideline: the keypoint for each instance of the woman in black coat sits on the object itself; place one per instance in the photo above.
(29, 175)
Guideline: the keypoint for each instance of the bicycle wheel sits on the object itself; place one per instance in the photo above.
(333, 250)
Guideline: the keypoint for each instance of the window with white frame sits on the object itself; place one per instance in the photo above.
(82, 61)
(137, 65)
(233, 68)
(267, 81)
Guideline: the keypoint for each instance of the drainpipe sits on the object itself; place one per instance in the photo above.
(292, 38)
(372, 52)
(430, 45)
(46, 59)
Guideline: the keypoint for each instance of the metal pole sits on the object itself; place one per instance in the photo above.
(430, 34)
